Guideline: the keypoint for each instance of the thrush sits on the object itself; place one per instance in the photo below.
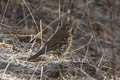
(60, 42)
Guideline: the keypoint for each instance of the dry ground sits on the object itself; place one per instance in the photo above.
(95, 51)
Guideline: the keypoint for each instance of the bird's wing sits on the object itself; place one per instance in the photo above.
(56, 40)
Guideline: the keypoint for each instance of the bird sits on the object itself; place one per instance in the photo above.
(60, 42)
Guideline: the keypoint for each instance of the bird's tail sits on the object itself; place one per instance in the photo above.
(36, 57)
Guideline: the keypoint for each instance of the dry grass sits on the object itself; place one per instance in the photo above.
(26, 25)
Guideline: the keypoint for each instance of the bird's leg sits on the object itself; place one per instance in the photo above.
(62, 60)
